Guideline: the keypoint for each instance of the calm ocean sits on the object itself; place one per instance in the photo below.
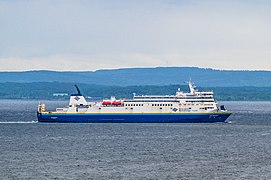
(240, 149)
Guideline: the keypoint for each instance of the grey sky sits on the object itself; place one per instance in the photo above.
(102, 34)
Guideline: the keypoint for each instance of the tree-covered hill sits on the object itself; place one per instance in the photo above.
(146, 76)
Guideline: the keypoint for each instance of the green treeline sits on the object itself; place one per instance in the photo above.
(45, 90)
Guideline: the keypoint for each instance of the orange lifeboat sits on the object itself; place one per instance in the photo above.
(116, 103)
(106, 103)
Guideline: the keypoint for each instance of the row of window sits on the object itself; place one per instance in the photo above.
(197, 104)
(170, 101)
(174, 97)
(207, 108)
(162, 104)
(200, 101)
(152, 104)
(155, 97)
(133, 104)
(165, 104)
(151, 101)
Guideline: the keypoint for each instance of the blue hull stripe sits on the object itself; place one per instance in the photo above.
(133, 118)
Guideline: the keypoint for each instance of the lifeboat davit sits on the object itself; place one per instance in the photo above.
(116, 103)
(106, 103)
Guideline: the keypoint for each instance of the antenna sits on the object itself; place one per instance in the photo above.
(78, 91)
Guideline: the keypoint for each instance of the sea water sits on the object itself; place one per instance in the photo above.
(239, 149)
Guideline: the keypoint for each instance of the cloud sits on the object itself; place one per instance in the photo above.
(222, 34)
(75, 62)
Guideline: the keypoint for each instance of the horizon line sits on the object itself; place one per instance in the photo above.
(122, 68)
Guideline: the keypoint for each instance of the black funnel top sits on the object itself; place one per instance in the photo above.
(78, 91)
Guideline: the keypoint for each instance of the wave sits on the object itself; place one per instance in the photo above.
(18, 122)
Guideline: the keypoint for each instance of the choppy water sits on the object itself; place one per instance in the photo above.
(237, 150)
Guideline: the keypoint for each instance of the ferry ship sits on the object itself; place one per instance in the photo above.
(183, 107)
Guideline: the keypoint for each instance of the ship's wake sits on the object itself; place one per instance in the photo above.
(18, 122)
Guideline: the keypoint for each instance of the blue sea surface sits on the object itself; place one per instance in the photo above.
(239, 149)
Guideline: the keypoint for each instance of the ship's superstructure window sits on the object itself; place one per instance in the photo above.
(134, 104)
(162, 104)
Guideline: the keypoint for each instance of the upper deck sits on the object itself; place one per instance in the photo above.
(180, 95)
